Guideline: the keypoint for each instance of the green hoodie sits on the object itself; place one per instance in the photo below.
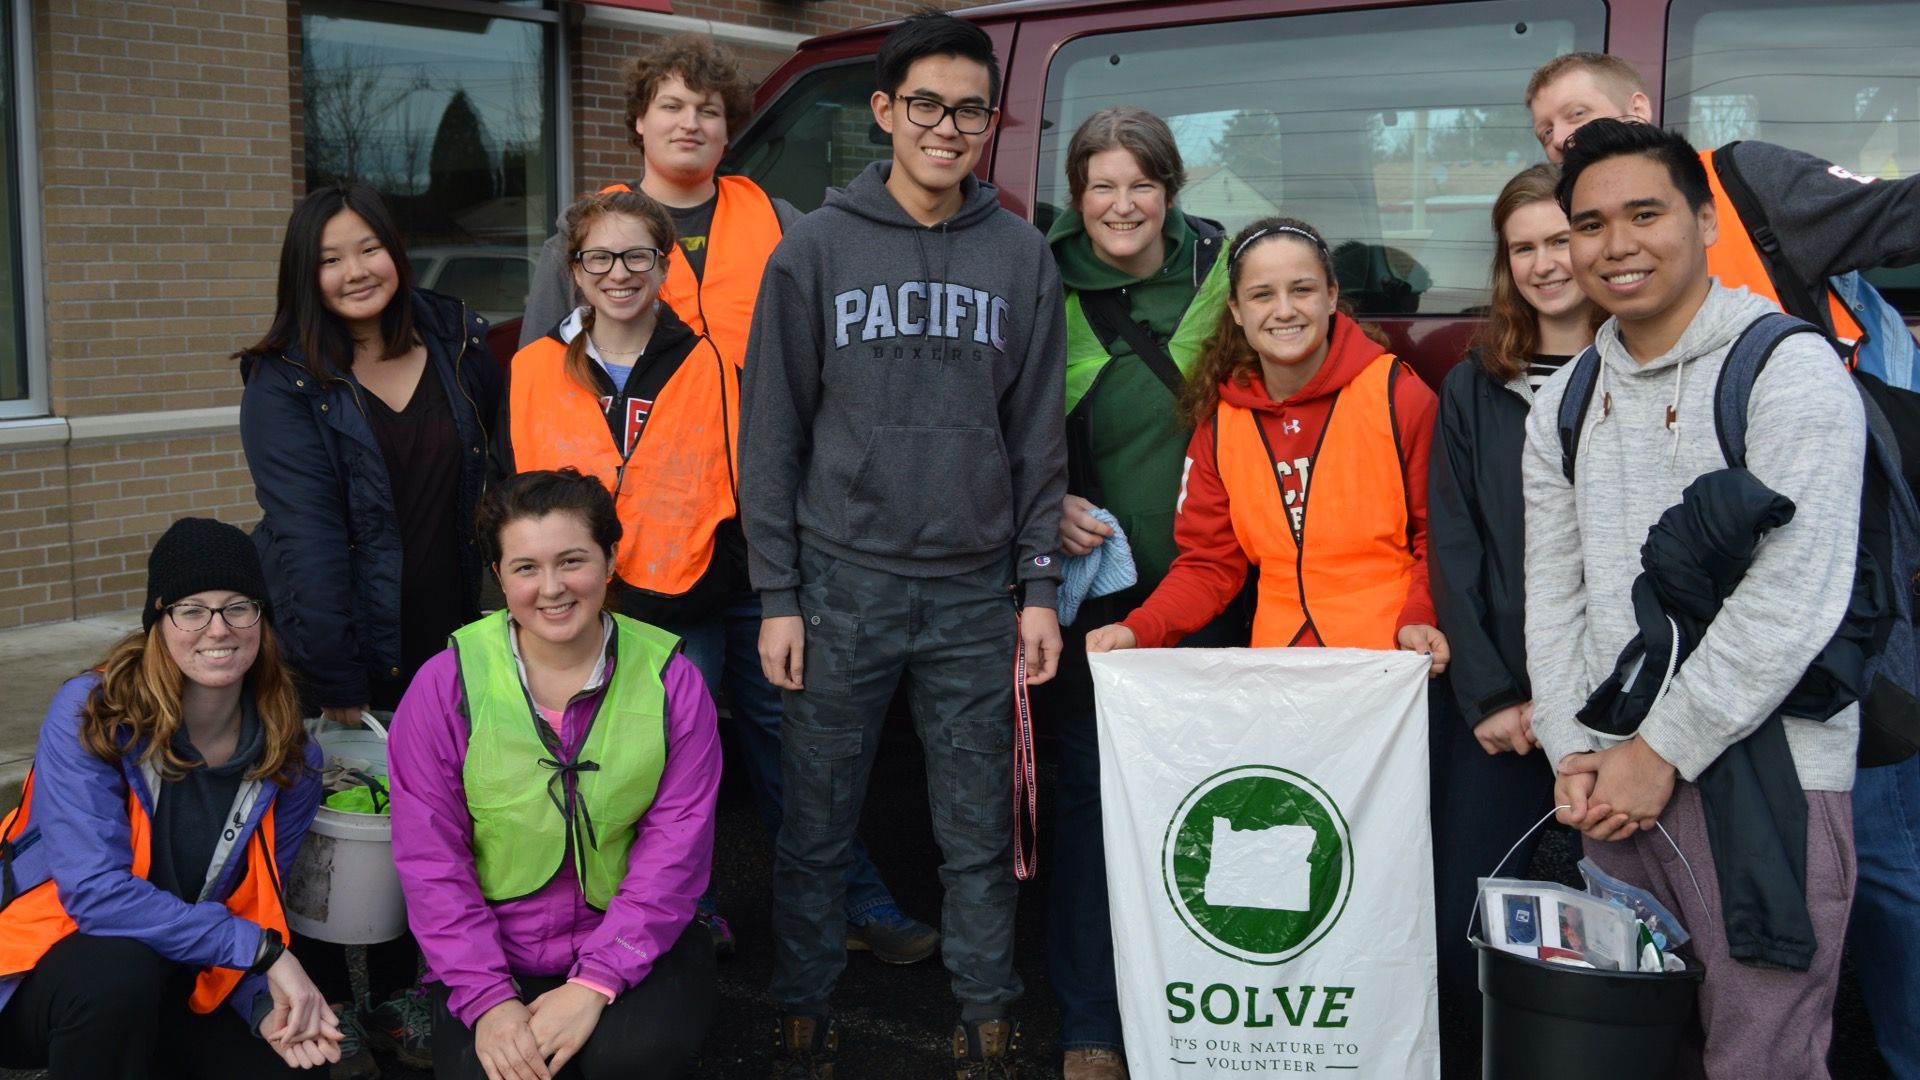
(1135, 433)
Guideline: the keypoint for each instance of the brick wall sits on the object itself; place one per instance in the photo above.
(170, 160)
(165, 176)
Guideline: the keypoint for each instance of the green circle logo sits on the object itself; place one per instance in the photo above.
(1258, 862)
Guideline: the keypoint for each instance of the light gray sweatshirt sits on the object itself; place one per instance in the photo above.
(1806, 440)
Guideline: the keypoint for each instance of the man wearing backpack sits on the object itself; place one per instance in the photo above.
(1643, 219)
(1822, 225)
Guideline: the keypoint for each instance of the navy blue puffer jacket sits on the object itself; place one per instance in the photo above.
(328, 538)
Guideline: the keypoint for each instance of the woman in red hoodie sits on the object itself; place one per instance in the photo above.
(1289, 390)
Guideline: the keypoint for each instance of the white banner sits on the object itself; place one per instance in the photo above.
(1268, 861)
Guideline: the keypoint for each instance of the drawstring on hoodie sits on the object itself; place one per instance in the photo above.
(1673, 410)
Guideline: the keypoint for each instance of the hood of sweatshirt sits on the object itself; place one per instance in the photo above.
(1348, 354)
(1082, 270)
(868, 197)
(1724, 314)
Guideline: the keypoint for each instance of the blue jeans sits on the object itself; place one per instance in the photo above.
(1079, 919)
(1885, 931)
(952, 640)
(726, 649)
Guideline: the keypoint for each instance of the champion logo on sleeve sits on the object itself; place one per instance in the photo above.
(1042, 560)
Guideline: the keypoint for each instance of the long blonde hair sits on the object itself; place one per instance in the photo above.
(138, 701)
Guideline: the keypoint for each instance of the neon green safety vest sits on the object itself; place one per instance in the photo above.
(1087, 357)
(530, 804)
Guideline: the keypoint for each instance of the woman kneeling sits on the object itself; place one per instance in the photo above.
(554, 775)
(140, 875)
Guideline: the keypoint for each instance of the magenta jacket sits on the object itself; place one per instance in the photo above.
(476, 947)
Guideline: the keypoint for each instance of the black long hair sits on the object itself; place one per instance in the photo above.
(301, 319)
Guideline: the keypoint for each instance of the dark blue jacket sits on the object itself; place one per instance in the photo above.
(80, 811)
(329, 539)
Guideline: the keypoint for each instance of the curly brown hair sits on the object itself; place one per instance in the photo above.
(579, 219)
(1226, 354)
(138, 702)
(700, 63)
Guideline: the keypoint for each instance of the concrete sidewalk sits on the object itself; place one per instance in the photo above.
(34, 661)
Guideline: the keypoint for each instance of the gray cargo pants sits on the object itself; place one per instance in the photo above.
(952, 638)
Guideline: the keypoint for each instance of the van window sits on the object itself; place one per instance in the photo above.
(1837, 80)
(819, 134)
(1390, 130)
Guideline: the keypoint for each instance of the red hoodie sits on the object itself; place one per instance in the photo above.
(1212, 568)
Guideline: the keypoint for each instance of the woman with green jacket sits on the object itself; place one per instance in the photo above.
(1144, 285)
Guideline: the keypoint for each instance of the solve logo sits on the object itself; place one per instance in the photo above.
(1258, 863)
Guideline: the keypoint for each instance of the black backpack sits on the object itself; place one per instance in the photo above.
(1888, 560)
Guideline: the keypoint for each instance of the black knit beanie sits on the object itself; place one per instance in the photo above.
(198, 554)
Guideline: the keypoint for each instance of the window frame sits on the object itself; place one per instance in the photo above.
(27, 212)
(560, 78)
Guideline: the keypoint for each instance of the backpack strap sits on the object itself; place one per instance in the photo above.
(1748, 357)
(1573, 406)
(1210, 237)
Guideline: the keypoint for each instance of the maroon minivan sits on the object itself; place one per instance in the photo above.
(1390, 125)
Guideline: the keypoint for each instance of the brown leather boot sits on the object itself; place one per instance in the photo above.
(1093, 1063)
(986, 1050)
(804, 1048)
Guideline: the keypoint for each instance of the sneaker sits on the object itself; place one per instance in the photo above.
(1093, 1063)
(402, 1025)
(804, 1048)
(356, 1057)
(707, 914)
(986, 1050)
(893, 936)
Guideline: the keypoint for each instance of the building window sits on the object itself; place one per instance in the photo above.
(451, 114)
(22, 368)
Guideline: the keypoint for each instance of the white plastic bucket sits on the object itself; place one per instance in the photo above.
(343, 887)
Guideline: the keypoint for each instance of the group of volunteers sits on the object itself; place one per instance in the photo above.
(793, 461)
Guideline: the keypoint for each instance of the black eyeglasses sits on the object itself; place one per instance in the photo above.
(238, 615)
(928, 113)
(597, 261)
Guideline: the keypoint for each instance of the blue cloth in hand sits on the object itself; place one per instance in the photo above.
(1105, 570)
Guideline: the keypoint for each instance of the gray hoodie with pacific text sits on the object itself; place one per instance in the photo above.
(900, 404)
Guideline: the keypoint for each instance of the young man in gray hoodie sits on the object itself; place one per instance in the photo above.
(1642, 216)
(903, 460)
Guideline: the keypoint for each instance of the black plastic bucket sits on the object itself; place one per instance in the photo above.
(1570, 1023)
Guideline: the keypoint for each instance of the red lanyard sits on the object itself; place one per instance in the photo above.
(1026, 830)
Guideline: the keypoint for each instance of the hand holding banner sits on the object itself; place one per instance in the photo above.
(1268, 860)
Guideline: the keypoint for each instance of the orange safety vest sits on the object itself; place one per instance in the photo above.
(719, 303)
(676, 485)
(1735, 260)
(1350, 582)
(35, 921)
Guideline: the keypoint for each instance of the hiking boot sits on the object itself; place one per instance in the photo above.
(402, 1025)
(356, 1057)
(707, 914)
(986, 1050)
(1093, 1063)
(893, 936)
(804, 1048)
